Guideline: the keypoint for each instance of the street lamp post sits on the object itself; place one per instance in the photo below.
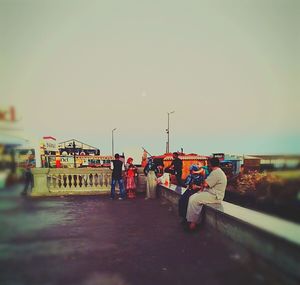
(74, 148)
(168, 132)
(112, 141)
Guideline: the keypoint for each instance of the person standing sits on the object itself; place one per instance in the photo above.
(151, 171)
(30, 163)
(176, 166)
(130, 175)
(213, 192)
(117, 167)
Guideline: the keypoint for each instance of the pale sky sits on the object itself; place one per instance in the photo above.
(230, 70)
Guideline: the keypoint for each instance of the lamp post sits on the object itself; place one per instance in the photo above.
(168, 132)
(74, 148)
(112, 141)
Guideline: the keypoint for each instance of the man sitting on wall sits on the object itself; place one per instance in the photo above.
(213, 191)
(194, 178)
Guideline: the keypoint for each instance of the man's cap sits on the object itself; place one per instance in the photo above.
(194, 167)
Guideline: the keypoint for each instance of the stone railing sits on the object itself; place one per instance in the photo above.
(76, 181)
(71, 181)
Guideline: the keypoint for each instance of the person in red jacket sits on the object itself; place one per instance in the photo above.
(131, 171)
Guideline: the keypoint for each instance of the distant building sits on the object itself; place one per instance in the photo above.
(15, 146)
(273, 162)
(230, 163)
(261, 162)
(80, 148)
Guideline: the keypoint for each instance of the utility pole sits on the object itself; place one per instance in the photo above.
(74, 153)
(168, 132)
(112, 141)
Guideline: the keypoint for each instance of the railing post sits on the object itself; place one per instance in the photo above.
(40, 179)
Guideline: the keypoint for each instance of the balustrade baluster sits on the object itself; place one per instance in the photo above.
(107, 180)
(75, 179)
(104, 179)
(80, 181)
(54, 181)
(104, 175)
(87, 180)
(59, 181)
(96, 180)
(100, 179)
(69, 179)
(50, 181)
(65, 182)
(92, 179)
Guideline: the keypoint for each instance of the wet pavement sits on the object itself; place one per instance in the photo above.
(93, 240)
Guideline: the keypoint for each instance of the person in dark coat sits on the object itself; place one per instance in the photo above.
(117, 167)
(176, 168)
(30, 163)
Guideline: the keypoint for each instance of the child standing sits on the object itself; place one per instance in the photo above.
(131, 171)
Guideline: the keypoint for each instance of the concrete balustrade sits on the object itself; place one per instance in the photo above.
(77, 181)
(71, 181)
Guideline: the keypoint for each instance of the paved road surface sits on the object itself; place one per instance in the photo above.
(93, 240)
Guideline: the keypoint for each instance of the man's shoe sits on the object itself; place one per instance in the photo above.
(120, 198)
(192, 226)
(187, 229)
(183, 222)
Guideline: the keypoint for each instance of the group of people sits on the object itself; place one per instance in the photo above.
(127, 186)
(204, 184)
(152, 171)
(117, 177)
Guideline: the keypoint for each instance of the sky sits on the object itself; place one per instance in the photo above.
(229, 69)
